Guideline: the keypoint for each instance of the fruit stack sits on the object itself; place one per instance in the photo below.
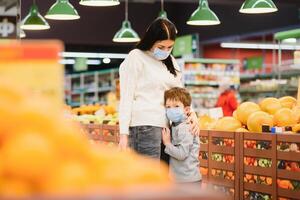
(223, 142)
(289, 165)
(41, 152)
(257, 162)
(250, 178)
(256, 196)
(229, 175)
(254, 144)
(288, 184)
(223, 158)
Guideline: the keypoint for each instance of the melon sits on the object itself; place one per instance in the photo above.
(205, 122)
(245, 110)
(241, 130)
(234, 115)
(296, 128)
(296, 113)
(284, 117)
(227, 124)
(288, 102)
(270, 105)
(257, 120)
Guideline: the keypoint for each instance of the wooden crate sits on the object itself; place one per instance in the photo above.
(257, 170)
(102, 132)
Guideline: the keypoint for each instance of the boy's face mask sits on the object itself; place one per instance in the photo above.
(176, 115)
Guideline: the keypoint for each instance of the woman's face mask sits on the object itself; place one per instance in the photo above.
(161, 50)
(161, 54)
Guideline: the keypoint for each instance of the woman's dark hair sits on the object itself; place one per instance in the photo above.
(160, 29)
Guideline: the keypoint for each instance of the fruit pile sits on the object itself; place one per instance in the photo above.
(41, 152)
(203, 155)
(257, 162)
(288, 147)
(249, 178)
(92, 109)
(256, 196)
(223, 158)
(223, 174)
(223, 142)
(204, 171)
(289, 165)
(253, 144)
(203, 140)
(288, 184)
(252, 117)
(225, 190)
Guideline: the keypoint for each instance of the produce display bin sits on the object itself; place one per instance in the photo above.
(258, 164)
(102, 133)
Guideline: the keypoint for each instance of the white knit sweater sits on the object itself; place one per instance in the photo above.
(143, 81)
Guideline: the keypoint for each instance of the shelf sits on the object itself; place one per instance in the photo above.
(207, 96)
(211, 72)
(212, 61)
(267, 91)
(284, 74)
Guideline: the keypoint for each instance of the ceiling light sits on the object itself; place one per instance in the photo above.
(106, 60)
(289, 40)
(34, 20)
(258, 7)
(62, 10)
(126, 34)
(99, 2)
(203, 16)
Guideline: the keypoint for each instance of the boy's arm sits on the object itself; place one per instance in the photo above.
(181, 150)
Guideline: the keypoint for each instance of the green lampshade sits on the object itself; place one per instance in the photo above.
(163, 14)
(34, 20)
(62, 10)
(203, 16)
(126, 34)
(99, 2)
(258, 6)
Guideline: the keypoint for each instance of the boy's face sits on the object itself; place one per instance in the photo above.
(170, 103)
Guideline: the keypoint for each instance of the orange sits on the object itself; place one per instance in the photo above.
(28, 155)
(68, 178)
(288, 102)
(15, 188)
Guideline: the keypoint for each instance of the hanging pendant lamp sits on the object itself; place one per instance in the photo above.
(258, 7)
(99, 2)
(162, 13)
(203, 16)
(34, 20)
(62, 10)
(126, 34)
(22, 33)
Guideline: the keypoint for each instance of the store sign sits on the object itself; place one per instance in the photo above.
(186, 45)
(80, 64)
(8, 27)
(35, 66)
(254, 63)
(9, 20)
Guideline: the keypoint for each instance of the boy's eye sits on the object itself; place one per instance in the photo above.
(177, 106)
(168, 106)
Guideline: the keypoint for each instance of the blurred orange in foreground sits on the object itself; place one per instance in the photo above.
(41, 152)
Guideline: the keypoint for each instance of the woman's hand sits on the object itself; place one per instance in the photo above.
(123, 143)
(194, 124)
(166, 136)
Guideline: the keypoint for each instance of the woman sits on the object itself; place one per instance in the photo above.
(147, 72)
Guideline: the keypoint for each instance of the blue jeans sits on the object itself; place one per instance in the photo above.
(146, 140)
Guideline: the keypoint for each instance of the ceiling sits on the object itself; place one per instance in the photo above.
(97, 26)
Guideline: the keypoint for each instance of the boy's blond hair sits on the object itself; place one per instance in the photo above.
(178, 94)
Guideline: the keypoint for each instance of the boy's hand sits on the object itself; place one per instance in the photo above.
(166, 136)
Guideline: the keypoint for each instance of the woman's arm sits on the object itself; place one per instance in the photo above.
(128, 78)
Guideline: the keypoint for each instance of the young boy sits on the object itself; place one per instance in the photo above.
(184, 147)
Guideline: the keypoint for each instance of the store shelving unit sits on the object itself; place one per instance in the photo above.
(288, 74)
(202, 78)
(89, 87)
